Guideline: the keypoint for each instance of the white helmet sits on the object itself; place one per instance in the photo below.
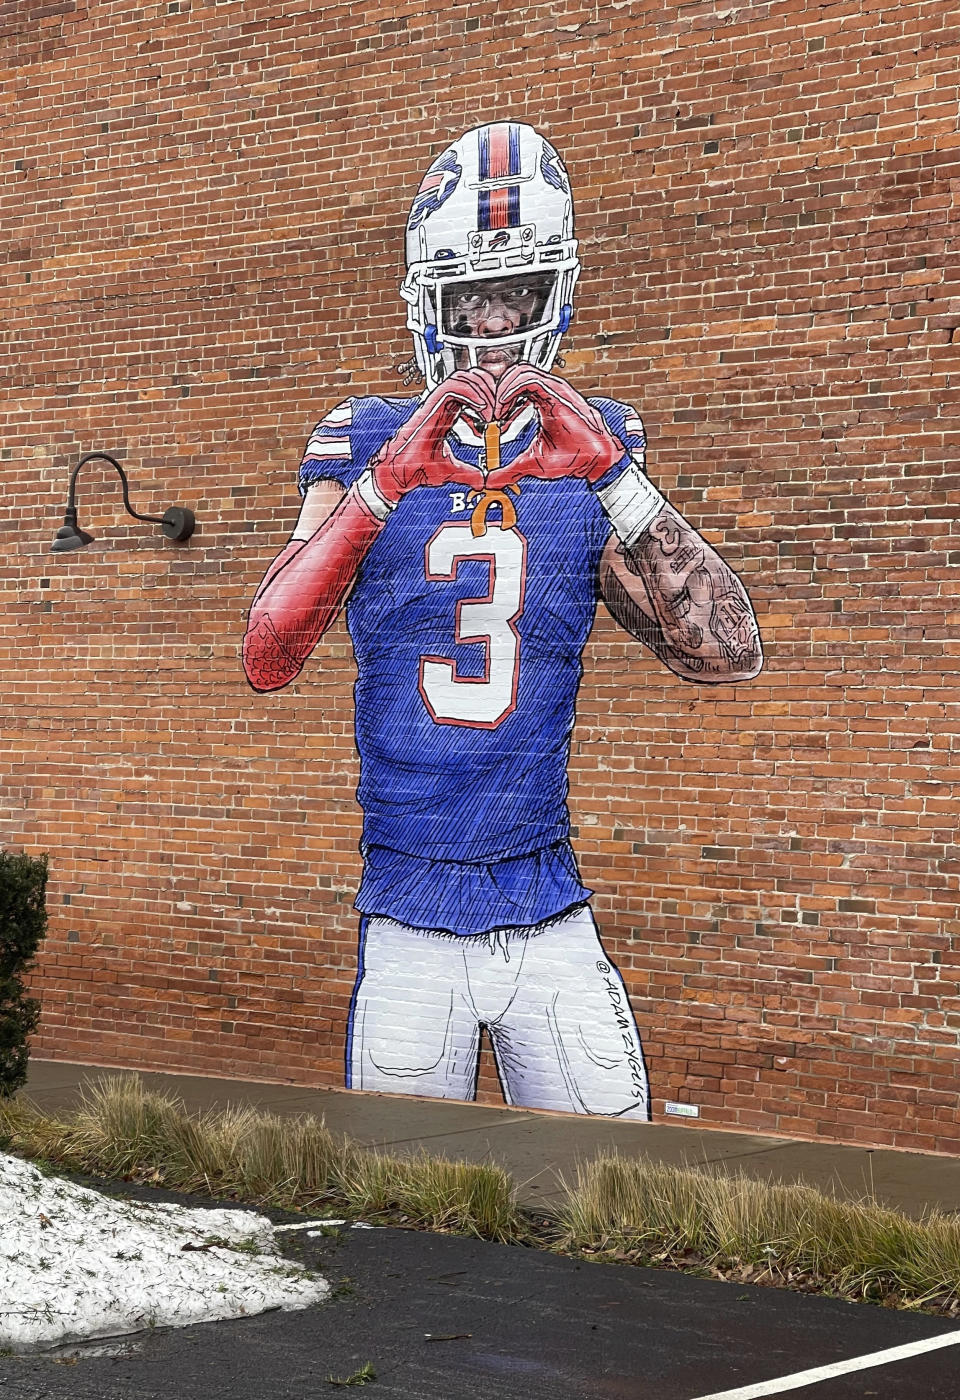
(496, 205)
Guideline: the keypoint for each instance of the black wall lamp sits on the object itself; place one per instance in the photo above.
(178, 522)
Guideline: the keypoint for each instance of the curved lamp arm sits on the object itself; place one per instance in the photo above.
(178, 522)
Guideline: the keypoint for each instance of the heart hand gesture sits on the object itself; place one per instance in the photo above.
(573, 440)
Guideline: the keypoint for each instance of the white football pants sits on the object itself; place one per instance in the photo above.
(553, 1004)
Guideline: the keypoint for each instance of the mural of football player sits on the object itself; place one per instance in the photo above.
(473, 528)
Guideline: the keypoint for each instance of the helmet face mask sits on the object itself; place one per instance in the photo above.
(519, 302)
(478, 279)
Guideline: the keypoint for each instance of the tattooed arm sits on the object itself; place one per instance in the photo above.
(668, 587)
(674, 593)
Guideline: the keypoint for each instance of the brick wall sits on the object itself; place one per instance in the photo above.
(200, 234)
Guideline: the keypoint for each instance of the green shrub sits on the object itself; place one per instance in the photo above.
(23, 923)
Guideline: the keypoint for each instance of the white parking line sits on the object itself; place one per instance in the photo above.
(308, 1224)
(316, 1227)
(836, 1368)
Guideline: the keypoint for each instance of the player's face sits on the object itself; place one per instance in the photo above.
(493, 307)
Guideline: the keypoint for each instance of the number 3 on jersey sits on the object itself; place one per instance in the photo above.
(482, 702)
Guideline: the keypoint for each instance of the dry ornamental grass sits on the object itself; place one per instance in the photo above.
(123, 1130)
(760, 1231)
(633, 1211)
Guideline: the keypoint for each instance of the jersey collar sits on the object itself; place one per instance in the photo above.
(462, 432)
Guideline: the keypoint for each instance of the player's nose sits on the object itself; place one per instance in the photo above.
(496, 318)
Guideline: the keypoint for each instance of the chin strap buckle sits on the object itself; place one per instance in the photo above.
(489, 497)
(490, 461)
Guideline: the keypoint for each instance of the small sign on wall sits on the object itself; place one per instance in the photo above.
(681, 1110)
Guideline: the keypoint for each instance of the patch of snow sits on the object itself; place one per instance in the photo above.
(76, 1264)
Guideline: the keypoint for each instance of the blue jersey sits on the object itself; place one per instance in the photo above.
(468, 651)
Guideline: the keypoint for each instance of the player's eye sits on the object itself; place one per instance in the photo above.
(521, 300)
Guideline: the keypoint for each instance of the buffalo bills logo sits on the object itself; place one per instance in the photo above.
(500, 240)
(551, 168)
(436, 188)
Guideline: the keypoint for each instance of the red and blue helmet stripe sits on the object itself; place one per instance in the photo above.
(499, 159)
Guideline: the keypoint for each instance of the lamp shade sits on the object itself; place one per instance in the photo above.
(70, 537)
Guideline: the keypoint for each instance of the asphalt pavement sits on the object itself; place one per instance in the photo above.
(443, 1318)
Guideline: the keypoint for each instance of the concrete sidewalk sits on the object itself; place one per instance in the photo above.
(538, 1148)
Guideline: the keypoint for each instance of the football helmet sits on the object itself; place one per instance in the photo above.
(493, 216)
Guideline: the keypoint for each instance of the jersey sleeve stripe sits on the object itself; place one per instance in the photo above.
(329, 447)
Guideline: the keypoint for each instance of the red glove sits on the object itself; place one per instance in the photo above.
(419, 455)
(573, 439)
